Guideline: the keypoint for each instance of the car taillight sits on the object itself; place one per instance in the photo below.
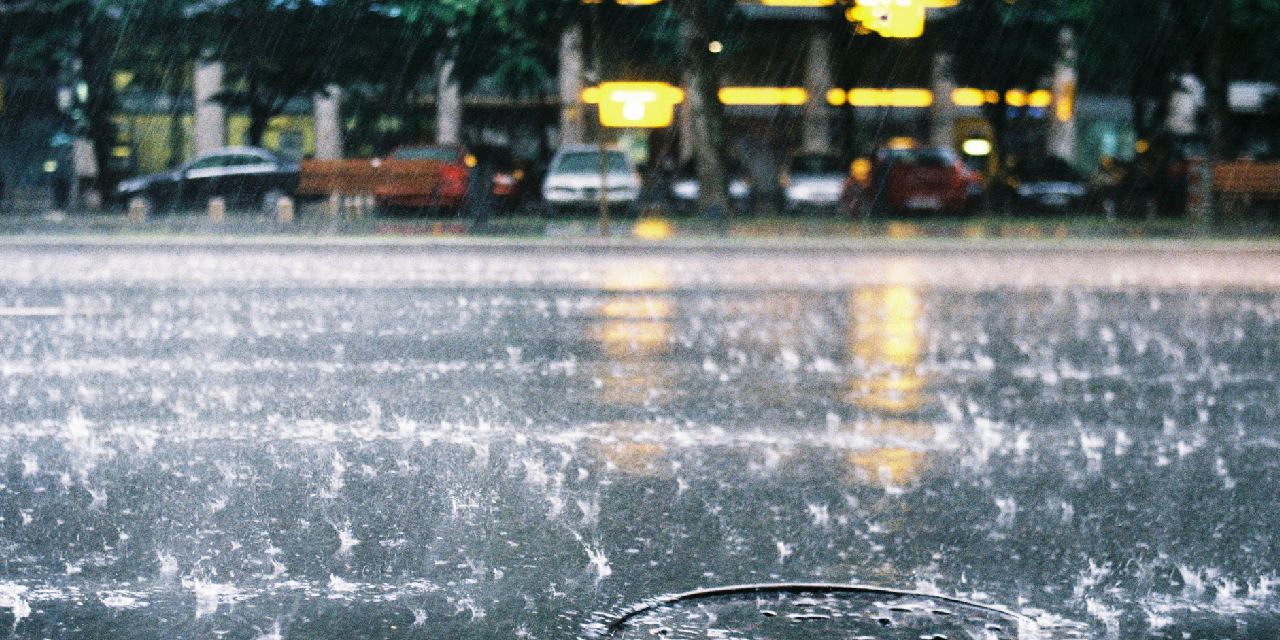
(453, 176)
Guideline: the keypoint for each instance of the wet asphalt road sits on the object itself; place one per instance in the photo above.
(414, 440)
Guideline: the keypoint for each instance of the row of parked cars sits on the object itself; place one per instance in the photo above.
(899, 180)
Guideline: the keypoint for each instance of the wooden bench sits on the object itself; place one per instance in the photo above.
(1245, 178)
(366, 177)
(1248, 190)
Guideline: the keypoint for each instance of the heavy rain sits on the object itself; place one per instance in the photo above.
(639, 319)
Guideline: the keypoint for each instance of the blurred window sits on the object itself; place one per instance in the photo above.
(809, 164)
(438, 154)
(589, 162)
(919, 157)
(208, 163)
(1049, 169)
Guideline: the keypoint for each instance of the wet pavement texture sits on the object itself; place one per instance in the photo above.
(410, 440)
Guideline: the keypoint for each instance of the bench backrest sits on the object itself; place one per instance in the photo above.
(365, 176)
(1258, 178)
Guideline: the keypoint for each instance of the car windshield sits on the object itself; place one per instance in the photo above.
(808, 164)
(920, 158)
(438, 154)
(1049, 169)
(689, 171)
(590, 161)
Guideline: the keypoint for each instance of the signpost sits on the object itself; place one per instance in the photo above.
(638, 105)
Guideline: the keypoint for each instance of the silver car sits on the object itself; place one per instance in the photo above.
(813, 182)
(578, 174)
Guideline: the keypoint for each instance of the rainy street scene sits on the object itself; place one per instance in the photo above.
(358, 440)
(639, 319)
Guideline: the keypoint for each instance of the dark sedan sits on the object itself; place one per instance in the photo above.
(241, 176)
(1047, 184)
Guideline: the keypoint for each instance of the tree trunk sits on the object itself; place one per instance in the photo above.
(704, 105)
(1216, 106)
(97, 42)
(259, 118)
(176, 146)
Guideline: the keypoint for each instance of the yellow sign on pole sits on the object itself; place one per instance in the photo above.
(642, 105)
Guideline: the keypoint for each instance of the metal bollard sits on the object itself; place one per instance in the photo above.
(284, 210)
(217, 209)
(138, 210)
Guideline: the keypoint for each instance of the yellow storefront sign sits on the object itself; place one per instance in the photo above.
(646, 105)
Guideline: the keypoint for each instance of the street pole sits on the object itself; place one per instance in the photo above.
(597, 36)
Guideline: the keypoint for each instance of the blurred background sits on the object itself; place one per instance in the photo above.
(1115, 108)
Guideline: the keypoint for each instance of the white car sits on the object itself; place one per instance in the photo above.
(814, 182)
(575, 181)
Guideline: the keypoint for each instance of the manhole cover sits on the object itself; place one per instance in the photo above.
(823, 612)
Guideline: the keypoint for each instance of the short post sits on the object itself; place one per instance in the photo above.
(335, 205)
(284, 210)
(1200, 192)
(138, 210)
(217, 209)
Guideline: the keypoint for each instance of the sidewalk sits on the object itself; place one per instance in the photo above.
(312, 222)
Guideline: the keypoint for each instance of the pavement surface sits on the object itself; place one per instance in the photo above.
(284, 437)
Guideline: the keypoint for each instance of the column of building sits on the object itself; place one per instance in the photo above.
(1062, 127)
(328, 123)
(818, 80)
(448, 106)
(942, 113)
(572, 72)
(210, 115)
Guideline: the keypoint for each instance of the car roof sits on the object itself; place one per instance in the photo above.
(228, 151)
(584, 148)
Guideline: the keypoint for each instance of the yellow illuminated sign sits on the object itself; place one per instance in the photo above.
(968, 97)
(894, 18)
(1040, 99)
(648, 105)
(890, 97)
(763, 95)
(890, 20)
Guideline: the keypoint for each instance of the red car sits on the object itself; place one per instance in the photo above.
(426, 176)
(904, 181)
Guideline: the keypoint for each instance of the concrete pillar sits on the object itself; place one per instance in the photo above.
(817, 81)
(943, 111)
(210, 116)
(684, 120)
(328, 124)
(448, 106)
(572, 74)
(1062, 130)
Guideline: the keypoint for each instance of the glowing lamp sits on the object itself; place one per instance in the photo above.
(968, 97)
(976, 147)
(763, 96)
(1040, 99)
